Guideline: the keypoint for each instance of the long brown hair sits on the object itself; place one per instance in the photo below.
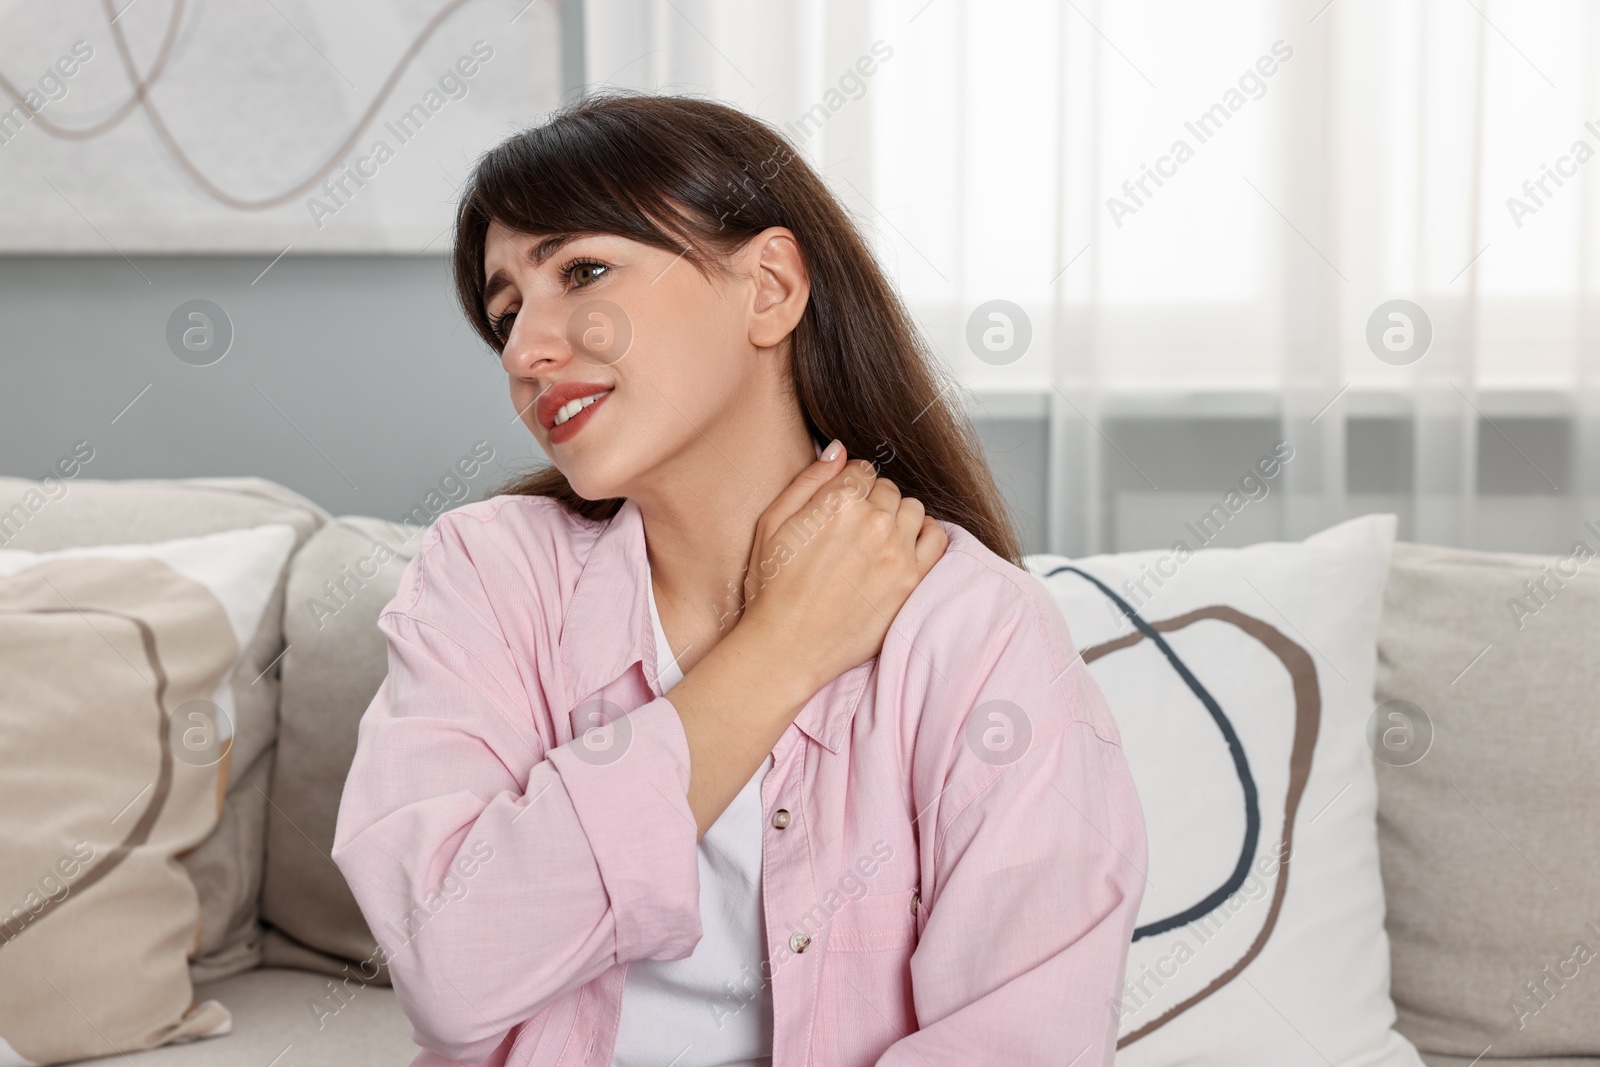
(699, 178)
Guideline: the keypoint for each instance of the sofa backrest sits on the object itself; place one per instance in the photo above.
(336, 658)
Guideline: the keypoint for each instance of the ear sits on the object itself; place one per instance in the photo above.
(782, 285)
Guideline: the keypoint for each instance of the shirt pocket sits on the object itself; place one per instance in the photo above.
(865, 1004)
(875, 923)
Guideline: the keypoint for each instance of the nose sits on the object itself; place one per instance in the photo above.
(536, 347)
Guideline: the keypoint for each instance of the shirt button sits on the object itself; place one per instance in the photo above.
(780, 818)
(799, 942)
(916, 898)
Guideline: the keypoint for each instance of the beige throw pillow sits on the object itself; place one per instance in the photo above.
(45, 516)
(1489, 801)
(116, 714)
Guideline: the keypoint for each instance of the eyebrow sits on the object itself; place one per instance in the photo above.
(536, 255)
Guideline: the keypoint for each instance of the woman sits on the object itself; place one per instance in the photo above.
(710, 744)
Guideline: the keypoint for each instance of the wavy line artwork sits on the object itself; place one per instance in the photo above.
(140, 97)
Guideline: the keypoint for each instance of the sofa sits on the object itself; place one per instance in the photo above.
(1486, 898)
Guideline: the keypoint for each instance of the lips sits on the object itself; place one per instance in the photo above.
(557, 397)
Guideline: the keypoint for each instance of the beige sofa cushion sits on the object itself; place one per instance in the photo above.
(303, 1018)
(338, 584)
(227, 866)
(1489, 841)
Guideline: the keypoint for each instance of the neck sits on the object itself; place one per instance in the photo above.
(700, 515)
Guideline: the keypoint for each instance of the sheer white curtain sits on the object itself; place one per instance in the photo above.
(1193, 202)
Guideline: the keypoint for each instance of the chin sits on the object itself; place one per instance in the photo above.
(606, 468)
(592, 482)
(589, 488)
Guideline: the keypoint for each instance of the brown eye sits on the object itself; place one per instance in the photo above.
(582, 272)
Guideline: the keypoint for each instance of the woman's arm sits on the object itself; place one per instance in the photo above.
(1033, 852)
(497, 869)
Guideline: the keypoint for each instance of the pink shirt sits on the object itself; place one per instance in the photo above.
(953, 850)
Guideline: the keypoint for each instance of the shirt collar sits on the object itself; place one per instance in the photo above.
(607, 630)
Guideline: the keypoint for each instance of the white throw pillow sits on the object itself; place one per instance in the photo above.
(1243, 695)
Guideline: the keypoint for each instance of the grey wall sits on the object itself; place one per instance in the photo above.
(351, 379)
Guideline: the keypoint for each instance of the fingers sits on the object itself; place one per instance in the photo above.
(908, 520)
(885, 496)
(855, 481)
(800, 491)
(931, 543)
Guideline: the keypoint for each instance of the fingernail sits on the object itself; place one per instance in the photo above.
(832, 451)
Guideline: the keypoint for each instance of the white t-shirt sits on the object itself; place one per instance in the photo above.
(712, 1008)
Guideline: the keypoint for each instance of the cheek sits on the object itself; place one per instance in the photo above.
(695, 391)
(700, 364)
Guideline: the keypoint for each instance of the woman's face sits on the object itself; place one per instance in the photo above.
(621, 356)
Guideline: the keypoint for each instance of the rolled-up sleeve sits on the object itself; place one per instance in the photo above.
(497, 869)
(1034, 861)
